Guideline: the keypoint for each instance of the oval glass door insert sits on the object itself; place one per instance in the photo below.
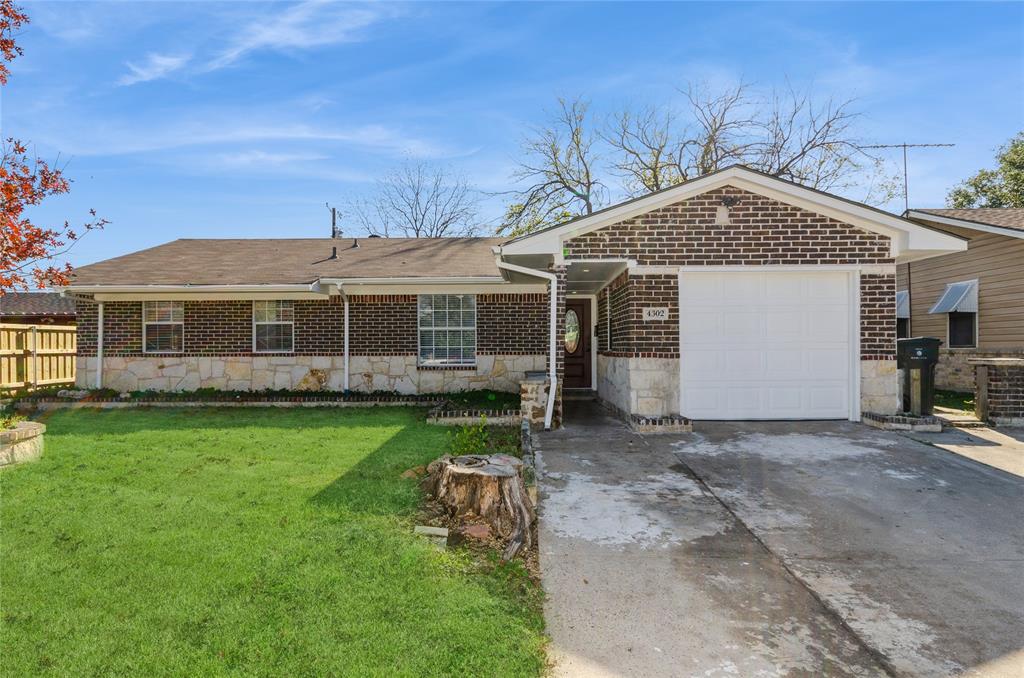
(572, 331)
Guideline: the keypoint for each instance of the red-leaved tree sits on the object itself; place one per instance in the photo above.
(29, 253)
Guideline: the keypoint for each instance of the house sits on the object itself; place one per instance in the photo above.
(732, 296)
(972, 300)
(37, 308)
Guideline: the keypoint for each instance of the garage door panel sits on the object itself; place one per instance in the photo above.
(766, 345)
(783, 363)
(788, 323)
(827, 363)
(739, 363)
(702, 327)
(743, 323)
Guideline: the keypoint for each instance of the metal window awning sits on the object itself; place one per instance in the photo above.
(959, 297)
(903, 304)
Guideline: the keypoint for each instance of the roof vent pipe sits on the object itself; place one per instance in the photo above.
(355, 243)
(334, 253)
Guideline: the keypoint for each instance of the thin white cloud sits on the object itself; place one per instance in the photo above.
(155, 66)
(315, 23)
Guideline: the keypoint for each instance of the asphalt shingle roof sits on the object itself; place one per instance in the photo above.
(35, 303)
(293, 261)
(1003, 217)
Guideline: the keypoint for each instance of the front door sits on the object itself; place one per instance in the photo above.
(576, 343)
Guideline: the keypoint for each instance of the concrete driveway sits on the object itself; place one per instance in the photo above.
(776, 549)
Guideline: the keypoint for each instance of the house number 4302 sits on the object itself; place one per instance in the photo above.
(660, 313)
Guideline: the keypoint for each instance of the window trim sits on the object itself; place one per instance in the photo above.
(949, 343)
(441, 364)
(146, 323)
(276, 322)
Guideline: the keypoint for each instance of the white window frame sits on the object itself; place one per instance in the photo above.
(420, 362)
(949, 344)
(275, 322)
(145, 324)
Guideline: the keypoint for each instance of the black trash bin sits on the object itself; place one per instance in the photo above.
(917, 358)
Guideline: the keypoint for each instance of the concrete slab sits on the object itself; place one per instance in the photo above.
(647, 573)
(999, 448)
(918, 551)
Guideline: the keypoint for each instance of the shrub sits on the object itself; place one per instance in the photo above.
(470, 439)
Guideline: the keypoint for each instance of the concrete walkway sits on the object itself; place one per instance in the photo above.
(999, 448)
(776, 549)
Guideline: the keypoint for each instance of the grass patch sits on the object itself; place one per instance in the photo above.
(245, 542)
(955, 400)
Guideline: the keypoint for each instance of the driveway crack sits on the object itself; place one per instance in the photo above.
(830, 611)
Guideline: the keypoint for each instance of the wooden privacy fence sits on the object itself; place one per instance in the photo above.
(36, 355)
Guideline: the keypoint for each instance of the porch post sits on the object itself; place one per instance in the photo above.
(559, 290)
(99, 346)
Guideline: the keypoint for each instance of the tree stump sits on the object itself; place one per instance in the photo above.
(485, 488)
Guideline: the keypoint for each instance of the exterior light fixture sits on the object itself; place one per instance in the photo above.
(722, 211)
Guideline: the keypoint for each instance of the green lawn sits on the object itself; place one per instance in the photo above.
(245, 542)
(955, 400)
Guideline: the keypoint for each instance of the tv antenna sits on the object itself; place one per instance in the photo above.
(335, 233)
(906, 192)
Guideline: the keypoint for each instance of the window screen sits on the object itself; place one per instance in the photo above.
(163, 326)
(447, 328)
(273, 326)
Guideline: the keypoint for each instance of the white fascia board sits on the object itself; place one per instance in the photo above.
(969, 225)
(506, 288)
(199, 292)
(312, 288)
(905, 235)
(439, 280)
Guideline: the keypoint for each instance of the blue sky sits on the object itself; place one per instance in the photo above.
(242, 119)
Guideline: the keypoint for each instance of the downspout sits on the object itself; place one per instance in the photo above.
(99, 346)
(345, 297)
(553, 330)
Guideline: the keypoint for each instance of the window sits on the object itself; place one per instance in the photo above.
(959, 301)
(572, 331)
(273, 326)
(962, 329)
(447, 327)
(902, 328)
(163, 326)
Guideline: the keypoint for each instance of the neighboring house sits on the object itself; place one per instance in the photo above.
(974, 300)
(732, 296)
(37, 308)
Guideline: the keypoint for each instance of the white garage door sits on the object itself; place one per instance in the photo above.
(765, 345)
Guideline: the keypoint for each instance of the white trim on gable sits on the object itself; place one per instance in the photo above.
(909, 240)
(962, 223)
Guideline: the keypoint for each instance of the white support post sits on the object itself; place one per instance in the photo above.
(99, 346)
(346, 346)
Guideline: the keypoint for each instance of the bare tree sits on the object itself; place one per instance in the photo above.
(418, 200)
(559, 165)
(785, 134)
(650, 153)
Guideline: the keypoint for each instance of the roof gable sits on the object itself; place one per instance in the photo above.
(1008, 221)
(909, 240)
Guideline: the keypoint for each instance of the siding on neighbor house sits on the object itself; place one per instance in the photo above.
(762, 231)
(997, 262)
(507, 324)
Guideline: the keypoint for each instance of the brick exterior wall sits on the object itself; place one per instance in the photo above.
(1006, 394)
(507, 324)
(512, 324)
(382, 325)
(878, 317)
(761, 231)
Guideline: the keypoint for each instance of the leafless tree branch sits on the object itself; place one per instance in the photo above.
(418, 200)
